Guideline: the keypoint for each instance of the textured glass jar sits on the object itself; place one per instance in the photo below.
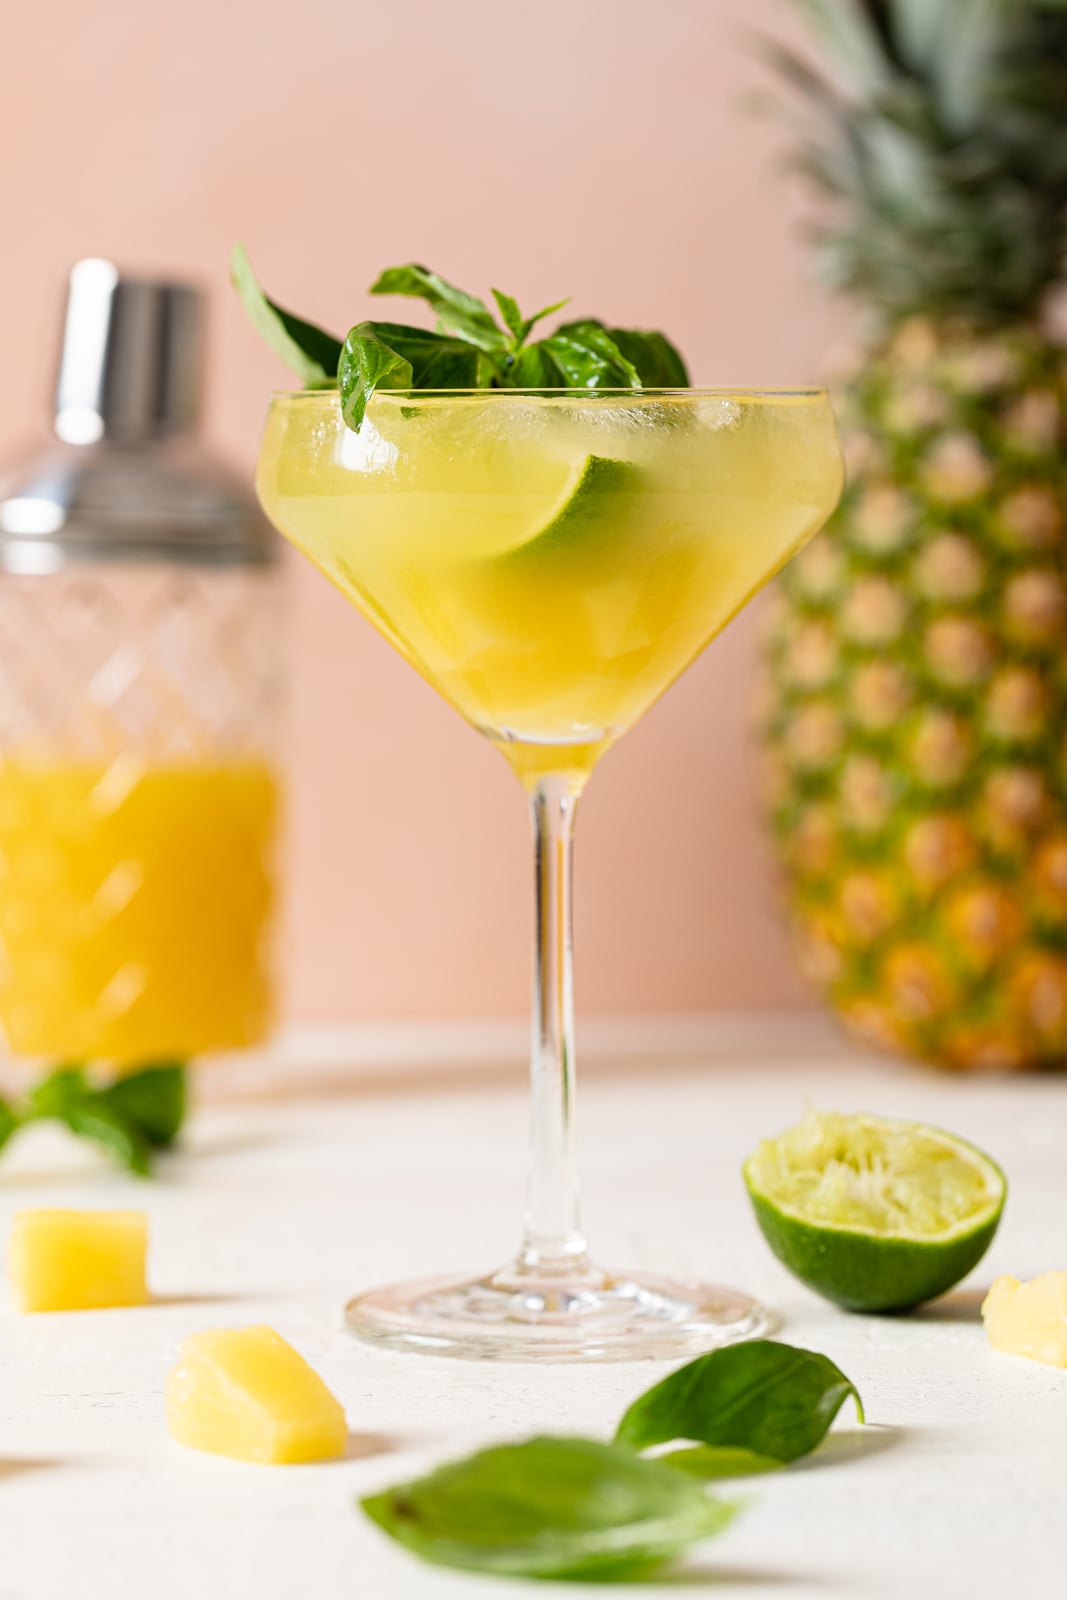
(138, 687)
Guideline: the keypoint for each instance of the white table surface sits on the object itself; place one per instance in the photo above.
(286, 1201)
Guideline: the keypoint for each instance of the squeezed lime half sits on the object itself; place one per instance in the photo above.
(873, 1214)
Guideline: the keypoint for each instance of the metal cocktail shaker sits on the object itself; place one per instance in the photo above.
(138, 696)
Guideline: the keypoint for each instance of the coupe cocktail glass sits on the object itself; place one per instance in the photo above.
(550, 562)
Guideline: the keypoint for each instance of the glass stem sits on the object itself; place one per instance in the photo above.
(553, 1241)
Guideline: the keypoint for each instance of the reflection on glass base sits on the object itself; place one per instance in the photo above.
(592, 1316)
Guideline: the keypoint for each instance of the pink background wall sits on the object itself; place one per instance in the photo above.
(601, 148)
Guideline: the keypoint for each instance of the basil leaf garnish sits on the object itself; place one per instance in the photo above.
(655, 360)
(512, 316)
(468, 349)
(312, 353)
(388, 355)
(368, 363)
(589, 360)
(461, 313)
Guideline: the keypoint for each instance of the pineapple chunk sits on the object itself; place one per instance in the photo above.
(78, 1260)
(246, 1393)
(1029, 1319)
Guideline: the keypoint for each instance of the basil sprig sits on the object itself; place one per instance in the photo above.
(560, 1507)
(469, 348)
(131, 1117)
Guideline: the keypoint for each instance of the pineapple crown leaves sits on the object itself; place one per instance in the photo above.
(937, 134)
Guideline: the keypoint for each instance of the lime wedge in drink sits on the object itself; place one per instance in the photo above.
(592, 505)
(874, 1215)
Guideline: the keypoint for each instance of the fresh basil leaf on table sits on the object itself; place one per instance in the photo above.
(9, 1122)
(54, 1094)
(550, 1508)
(120, 1138)
(713, 1461)
(767, 1398)
(129, 1117)
(558, 1507)
(154, 1099)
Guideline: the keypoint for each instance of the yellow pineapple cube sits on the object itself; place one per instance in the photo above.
(78, 1260)
(1029, 1319)
(246, 1393)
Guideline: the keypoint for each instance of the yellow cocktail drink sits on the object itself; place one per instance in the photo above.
(133, 907)
(551, 565)
(550, 561)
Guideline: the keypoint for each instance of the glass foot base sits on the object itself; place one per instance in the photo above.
(588, 1316)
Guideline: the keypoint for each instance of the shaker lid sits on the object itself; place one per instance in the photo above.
(128, 378)
(130, 362)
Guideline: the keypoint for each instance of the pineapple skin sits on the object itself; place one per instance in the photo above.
(913, 705)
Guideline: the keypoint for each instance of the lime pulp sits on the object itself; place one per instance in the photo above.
(874, 1214)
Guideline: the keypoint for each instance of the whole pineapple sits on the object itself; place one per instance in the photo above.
(915, 705)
